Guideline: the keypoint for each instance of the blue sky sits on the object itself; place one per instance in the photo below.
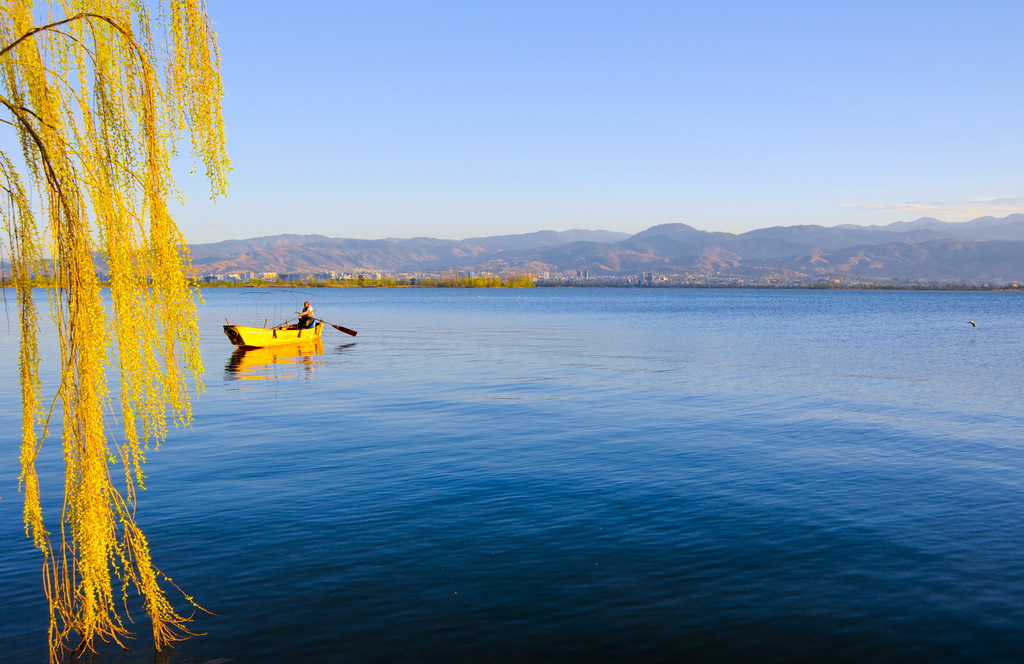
(464, 118)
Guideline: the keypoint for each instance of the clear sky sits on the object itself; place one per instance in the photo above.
(463, 118)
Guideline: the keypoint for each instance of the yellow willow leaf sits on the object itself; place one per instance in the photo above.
(98, 105)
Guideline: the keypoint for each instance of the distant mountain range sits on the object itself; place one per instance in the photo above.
(983, 250)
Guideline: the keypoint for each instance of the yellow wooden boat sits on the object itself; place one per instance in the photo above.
(261, 337)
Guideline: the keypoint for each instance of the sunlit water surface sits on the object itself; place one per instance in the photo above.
(585, 475)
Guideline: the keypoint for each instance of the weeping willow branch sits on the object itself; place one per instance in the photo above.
(98, 106)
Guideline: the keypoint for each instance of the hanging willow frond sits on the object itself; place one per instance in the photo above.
(98, 106)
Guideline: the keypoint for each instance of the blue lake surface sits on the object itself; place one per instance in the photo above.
(592, 475)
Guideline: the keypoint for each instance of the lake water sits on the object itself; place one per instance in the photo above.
(586, 475)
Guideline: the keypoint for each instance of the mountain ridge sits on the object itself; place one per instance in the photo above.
(983, 249)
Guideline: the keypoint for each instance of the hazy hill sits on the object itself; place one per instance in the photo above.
(942, 260)
(984, 249)
(544, 239)
(980, 229)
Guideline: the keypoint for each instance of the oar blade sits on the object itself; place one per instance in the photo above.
(340, 328)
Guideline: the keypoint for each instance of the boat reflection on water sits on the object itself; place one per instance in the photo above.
(296, 360)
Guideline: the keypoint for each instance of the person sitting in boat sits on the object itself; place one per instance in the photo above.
(306, 316)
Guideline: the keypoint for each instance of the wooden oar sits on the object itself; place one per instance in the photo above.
(341, 328)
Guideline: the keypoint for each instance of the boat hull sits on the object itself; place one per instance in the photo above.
(262, 337)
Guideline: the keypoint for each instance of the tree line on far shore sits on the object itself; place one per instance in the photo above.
(448, 280)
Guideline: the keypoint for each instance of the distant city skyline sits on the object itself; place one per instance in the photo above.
(460, 119)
